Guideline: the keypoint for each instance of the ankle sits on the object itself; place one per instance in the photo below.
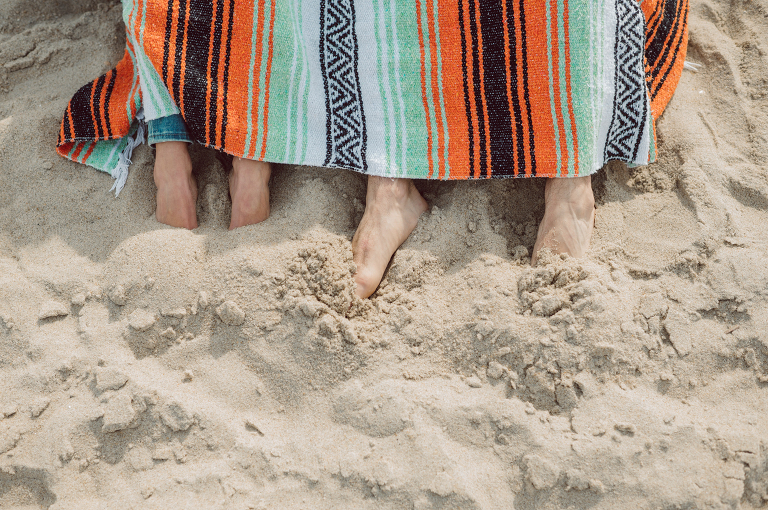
(389, 190)
(172, 163)
(252, 168)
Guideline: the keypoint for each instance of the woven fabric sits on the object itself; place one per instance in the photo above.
(443, 89)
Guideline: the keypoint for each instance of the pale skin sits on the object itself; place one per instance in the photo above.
(392, 210)
(393, 207)
(177, 188)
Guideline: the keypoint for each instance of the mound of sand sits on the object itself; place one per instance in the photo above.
(147, 367)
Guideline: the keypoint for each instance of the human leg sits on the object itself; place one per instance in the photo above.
(176, 187)
(569, 217)
(249, 189)
(392, 210)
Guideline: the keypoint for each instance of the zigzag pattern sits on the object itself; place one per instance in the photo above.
(346, 120)
(630, 99)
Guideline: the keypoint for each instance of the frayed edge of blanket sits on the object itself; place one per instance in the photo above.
(120, 173)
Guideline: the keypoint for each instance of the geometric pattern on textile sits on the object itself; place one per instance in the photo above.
(345, 121)
(422, 89)
(630, 104)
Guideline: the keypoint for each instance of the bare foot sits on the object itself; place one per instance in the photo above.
(249, 189)
(392, 210)
(176, 188)
(569, 217)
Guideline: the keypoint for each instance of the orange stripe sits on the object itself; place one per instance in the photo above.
(424, 89)
(436, 90)
(71, 123)
(255, 128)
(556, 87)
(482, 89)
(266, 82)
(568, 90)
(239, 66)
(474, 119)
(91, 146)
(542, 122)
(104, 105)
(453, 87)
(78, 149)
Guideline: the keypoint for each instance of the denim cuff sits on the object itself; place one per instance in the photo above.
(167, 129)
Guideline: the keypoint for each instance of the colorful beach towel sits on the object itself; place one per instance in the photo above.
(438, 89)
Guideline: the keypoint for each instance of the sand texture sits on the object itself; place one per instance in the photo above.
(145, 367)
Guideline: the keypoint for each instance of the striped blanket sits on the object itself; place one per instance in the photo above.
(443, 89)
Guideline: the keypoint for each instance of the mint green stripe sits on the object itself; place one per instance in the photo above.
(583, 85)
(410, 82)
(280, 82)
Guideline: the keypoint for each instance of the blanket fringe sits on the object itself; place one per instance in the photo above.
(120, 173)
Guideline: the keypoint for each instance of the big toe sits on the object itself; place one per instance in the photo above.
(367, 281)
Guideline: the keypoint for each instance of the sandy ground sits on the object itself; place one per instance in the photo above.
(147, 367)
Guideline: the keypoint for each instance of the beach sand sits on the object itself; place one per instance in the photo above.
(148, 367)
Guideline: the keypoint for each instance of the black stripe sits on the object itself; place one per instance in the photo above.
(68, 133)
(476, 83)
(527, 92)
(641, 129)
(324, 73)
(467, 106)
(226, 71)
(167, 39)
(214, 78)
(107, 98)
(196, 66)
(495, 81)
(679, 33)
(96, 105)
(364, 133)
(516, 109)
(81, 113)
(659, 18)
(179, 52)
(654, 50)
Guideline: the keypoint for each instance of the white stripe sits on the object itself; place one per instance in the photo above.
(403, 128)
(294, 22)
(316, 120)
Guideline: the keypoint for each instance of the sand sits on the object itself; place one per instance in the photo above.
(147, 367)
